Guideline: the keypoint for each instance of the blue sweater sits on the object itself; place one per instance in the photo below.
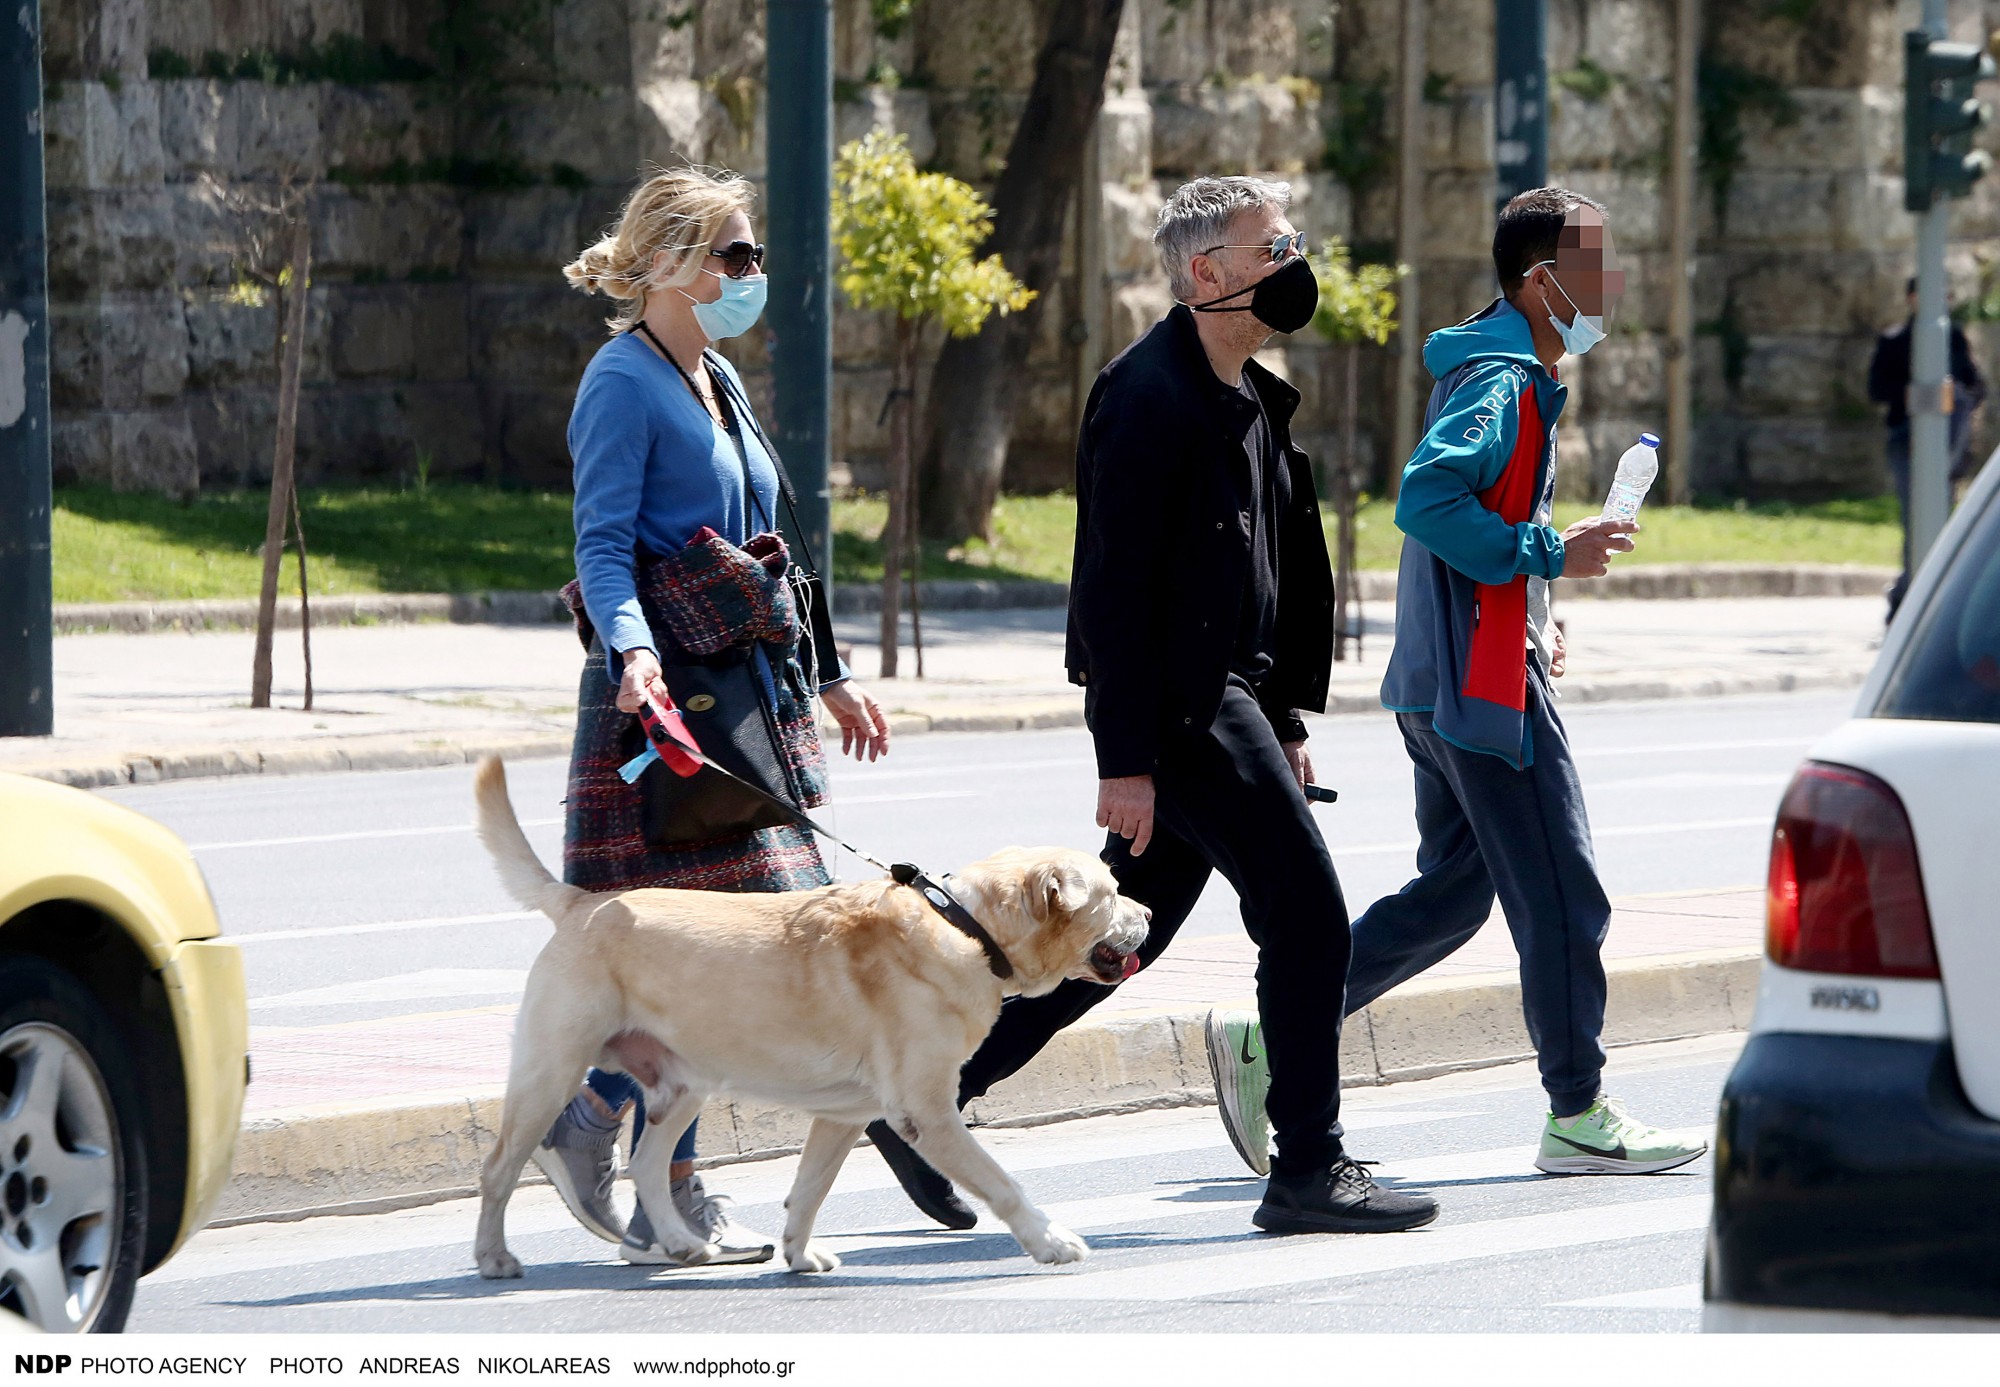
(652, 467)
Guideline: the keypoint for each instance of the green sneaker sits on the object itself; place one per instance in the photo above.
(1242, 1077)
(1606, 1140)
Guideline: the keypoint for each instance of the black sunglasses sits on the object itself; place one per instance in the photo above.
(739, 258)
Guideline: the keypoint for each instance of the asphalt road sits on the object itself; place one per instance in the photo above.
(1160, 1196)
(364, 895)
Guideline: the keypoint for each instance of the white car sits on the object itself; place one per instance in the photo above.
(1857, 1155)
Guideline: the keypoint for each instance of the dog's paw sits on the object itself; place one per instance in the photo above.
(1056, 1245)
(499, 1266)
(810, 1257)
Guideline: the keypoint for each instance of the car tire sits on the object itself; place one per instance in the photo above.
(72, 1157)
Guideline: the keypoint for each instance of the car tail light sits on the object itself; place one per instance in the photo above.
(1845, 893)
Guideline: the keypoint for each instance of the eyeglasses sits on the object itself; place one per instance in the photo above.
(739, 258)
(1281, 248)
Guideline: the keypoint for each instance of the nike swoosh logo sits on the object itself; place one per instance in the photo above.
(1616, 1153)
(1246, 1056)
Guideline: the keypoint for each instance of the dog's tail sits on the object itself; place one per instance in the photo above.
(521, 872)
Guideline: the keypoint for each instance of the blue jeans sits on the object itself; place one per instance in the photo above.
(618, 1089)
(1489, 829)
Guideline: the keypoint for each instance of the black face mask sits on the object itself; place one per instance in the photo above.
(1283, 300)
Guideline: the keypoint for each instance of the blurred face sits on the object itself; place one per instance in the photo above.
(1585, 277)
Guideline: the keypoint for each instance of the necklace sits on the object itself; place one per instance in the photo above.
(707, 397)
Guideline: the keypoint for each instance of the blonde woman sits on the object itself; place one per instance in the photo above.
(665, 450)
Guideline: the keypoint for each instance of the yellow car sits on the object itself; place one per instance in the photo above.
(124, 1051)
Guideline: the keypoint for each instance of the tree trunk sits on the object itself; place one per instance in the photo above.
(282, 454)
(896, 529)
(305, 597)
(974, 388)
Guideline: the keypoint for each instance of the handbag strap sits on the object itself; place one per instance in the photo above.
(740, 407)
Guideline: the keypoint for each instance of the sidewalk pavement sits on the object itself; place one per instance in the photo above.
(398, 1111)
(173, 705)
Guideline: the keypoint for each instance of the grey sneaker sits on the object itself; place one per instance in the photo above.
(581, 1164)
(708, 1215)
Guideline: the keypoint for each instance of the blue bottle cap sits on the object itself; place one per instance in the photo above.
(1650, 440)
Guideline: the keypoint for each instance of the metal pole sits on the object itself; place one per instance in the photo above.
(799, 159)
(1930, 354)
(1409, 237)
(27, 657)
(1681, 256)
(1520, 96)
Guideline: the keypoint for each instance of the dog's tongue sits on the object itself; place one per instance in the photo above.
(1131, 965)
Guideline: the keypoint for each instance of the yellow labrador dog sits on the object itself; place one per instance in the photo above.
(848, 1003)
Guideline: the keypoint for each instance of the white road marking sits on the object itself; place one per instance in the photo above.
(384, 927)
(1683, 1297)
(425, 985)
(1307, 1260)
(264, 1247)
(363, 835)
(354, 837)
(1621, 831)
(1679, 748)
(841, 802)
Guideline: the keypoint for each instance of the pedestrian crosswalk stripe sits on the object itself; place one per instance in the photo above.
(1145, 1210)
(1312, 1259)
(1683, 1297)
(535, 1210)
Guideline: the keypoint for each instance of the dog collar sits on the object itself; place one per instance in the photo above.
(955, 913)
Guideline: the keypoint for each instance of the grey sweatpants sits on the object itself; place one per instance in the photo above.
(1489, 829)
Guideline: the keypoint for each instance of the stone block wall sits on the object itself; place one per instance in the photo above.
(452, 178)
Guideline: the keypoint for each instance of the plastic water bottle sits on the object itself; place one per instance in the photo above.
(1636, 470)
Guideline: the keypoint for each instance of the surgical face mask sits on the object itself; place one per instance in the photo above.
(1283, 300)
(1580, 335)
(731, 315)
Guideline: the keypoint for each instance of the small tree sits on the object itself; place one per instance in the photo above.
(274, 259)
(907, 243)
(1356, 305)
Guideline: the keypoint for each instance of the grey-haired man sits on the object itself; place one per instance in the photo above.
(1200, 623)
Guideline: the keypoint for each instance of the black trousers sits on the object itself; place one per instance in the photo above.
(1226, 801)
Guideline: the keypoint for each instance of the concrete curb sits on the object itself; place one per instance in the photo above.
(385, 752)
(421, 1150)
(367, 609)
(388, 752)
(1659, 581)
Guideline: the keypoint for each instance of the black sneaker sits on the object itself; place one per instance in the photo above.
(928, 1190)
(1340, 1198)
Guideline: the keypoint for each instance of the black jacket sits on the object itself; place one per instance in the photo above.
(1163, 552)
(1889, 371)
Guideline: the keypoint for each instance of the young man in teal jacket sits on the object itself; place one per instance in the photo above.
(1499, 807)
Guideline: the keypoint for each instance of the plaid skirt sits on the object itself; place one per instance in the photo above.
(604, 844)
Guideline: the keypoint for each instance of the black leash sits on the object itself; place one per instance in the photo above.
(935, 895)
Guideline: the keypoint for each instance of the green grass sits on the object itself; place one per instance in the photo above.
(112, 547)
(115, 547)
(1033, 537)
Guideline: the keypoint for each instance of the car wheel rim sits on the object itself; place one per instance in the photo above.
(61, 1179)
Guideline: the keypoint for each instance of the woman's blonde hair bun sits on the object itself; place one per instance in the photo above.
(677, 211)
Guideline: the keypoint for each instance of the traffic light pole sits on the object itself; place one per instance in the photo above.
(26, 655)
(1930, 409)
(1932, 177)
(1520, 96)
(800, 164)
